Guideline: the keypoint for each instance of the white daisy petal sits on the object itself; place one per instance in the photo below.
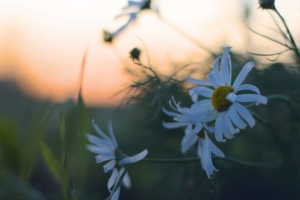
(109, 166)
(235, 118)
(226, 67)
(99, 131)
(242, 75)
(174, 124)
(200, 82)
(112, 179)
(216, 71)
(218, 126)
(231, 97)
(111, 133)
(101, 142)
(252, 98)
(99, 150)
(172, 114)
(225, 127)
(188, 140)
(214, 149)
(211, 77)
(133, 159)
(194, 95)
(101, 158)
(203, 104)
(126, 180)
(116, 194)
(230, 127)
(248, 87)
(198, 128)
(203, 91)
(244, 113)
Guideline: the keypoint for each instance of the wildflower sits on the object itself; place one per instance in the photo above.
(195, 131)
(132, 9)
(108, 150)
(223, 100)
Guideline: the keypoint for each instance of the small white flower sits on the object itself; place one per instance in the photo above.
(132, 9)
(195, 131)
(223, 100)
(107, 148)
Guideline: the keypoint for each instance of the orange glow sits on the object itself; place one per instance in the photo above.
(42, 43)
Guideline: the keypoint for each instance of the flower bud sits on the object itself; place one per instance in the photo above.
(267, 4)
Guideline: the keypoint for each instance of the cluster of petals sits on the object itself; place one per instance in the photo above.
(107, 148)
(183, 117)
(236, 117)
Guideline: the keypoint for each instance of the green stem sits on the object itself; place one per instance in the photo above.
(194, 159)
(289, 33)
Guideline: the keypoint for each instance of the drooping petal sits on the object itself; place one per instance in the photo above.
(174, 124)
(188, 140)
(242, 75)
(126, 180)
(133, 159)
(116, 194)
(252, 98)
(218, 126)
(230, 127)
(112, 179)
(248, 87)
(200, 82)
(214, 149)
(110, 165)
(244, 113)
(236, 119)
(225, 127)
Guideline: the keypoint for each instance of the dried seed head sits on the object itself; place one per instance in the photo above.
(267, 4)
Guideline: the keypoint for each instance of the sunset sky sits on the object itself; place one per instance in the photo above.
(43, 42)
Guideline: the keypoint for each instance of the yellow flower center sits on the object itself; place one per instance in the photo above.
(218, 98)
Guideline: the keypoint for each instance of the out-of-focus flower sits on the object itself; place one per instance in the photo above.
(223, 101)
(195, 131)
(108, 150)
(266, 4)
(186, 117)
(132, 9)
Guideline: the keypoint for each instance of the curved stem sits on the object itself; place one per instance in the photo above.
(289, 33)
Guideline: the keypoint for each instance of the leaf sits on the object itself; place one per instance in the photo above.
(50, 160)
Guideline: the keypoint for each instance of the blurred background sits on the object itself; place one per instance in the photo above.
(62, 66)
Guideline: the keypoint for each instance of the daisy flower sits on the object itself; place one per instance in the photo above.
(132, 9)
(195, 131)
(108, 150)
(224, 100)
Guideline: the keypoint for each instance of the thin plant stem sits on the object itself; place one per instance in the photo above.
(196, 159)
(288, 32)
